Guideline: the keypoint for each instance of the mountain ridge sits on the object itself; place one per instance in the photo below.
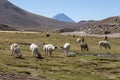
(105, 26)
(20, 18)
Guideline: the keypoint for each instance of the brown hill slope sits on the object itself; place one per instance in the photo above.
(105, 26)
(6, 27)
(13, 15)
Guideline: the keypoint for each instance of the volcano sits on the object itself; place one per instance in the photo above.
(12, 15)
(63, 17)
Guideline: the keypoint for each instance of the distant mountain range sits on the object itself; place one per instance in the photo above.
(63, 17)
(21, 19)
(15, 18)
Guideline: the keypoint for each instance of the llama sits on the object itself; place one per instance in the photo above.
(15, 50)
(104, 44)
(34, 50)
(49, 48)
(84, 46)
(66, 48)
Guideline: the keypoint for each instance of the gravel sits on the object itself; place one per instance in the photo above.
(11, 76)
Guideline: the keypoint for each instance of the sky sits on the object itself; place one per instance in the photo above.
(76, 9)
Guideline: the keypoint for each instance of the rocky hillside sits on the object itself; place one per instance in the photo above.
(21, 19)
(105, 26)
(6, 27)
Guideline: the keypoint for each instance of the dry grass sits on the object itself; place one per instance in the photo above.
(59, 67)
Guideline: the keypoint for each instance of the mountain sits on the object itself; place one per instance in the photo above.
(86, 23)
(21, 19)
(13, 17)
(105, 26)
(63, 17)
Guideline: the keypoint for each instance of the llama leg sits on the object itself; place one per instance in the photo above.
(33, 54)
(67, 52)
(81, 49)
(50, 54)
(45, 52)
(87, 48)
(64, 52)
(12, 52)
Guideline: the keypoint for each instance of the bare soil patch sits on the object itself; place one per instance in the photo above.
(82, 33)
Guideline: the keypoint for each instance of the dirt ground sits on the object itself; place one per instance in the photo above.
(80, 33)
(9, 76)
(115, 35)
